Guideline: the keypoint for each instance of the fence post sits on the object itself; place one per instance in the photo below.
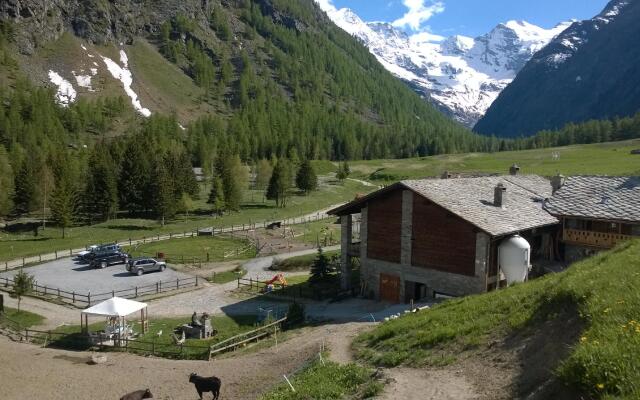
(160, 285)
(129, 241)
(45, 290)
(23, 261)
(136, 291)
(73, 297)
(238, 282)
(70, 252)
(56, 254)
(39, 257)
(156, 287)
(113, 293)
(177, 283)
(196, 280)
(89, 299)
(58, 293)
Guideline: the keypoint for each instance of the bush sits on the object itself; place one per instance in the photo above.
(295, 314)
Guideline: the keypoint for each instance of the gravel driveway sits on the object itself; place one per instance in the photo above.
(69, 275)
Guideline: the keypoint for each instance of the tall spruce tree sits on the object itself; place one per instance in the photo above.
(216, 195)
(101, 191)
(6, 183)
(280, 183)
(166, 193)
(306, 179)
(25, 194)
(64, 202)
(134, 184)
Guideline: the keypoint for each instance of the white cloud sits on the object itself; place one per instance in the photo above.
(326, 5)
(426, 37)
(419, 11)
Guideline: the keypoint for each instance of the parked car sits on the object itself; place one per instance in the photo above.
(139, 266)
(84, 253)
(104, 259)
(102, 249)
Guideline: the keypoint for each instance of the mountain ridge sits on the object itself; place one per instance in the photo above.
(587, 72)
(460, 75)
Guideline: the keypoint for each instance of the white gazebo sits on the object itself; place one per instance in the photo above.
(115, 307)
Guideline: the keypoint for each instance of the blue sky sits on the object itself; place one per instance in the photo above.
(469, 17)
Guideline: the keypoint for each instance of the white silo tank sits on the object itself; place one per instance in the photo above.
(513, 257)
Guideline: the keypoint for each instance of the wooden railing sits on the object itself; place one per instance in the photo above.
(242, 339)
(594, 239)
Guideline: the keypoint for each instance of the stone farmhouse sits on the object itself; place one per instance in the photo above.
(421, 239)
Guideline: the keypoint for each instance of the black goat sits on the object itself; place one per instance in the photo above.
(138, 395)
(203, 385)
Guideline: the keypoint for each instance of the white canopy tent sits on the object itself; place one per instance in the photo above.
(115, 307)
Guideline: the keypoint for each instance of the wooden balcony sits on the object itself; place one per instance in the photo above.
(593, 239)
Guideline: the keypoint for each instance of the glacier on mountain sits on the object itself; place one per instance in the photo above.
(461, 75)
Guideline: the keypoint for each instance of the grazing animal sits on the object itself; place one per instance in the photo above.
(203, 385)
(138, 395)
(159, 333)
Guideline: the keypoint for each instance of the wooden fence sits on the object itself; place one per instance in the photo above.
(242, 339)
(61, 253)
(291, 291)
(89, 298)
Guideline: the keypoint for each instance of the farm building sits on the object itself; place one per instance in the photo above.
(424, 238)
(596, 212)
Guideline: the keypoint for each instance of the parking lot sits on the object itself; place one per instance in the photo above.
(74, 276)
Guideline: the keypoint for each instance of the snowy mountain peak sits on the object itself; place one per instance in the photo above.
(461, 75)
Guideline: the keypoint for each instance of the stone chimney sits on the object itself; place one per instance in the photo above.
(556, 183)
(500, 196)
(514, 169)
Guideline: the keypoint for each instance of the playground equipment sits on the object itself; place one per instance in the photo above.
(277, 278)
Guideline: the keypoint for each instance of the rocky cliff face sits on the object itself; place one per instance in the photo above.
(98, 21)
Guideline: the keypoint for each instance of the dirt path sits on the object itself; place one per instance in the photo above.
(31, 372)
(425, 384)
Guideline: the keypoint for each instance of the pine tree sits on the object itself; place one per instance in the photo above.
(343, 171)
(216, 195)
(280, 183)
(64, 203)
(133, 183)
(320, 268)
(166, 195)
(24, 196)
(101, 192)
(306, 179)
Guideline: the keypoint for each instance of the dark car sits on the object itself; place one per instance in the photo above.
(141, 265)
(95, 251)
(103, 260)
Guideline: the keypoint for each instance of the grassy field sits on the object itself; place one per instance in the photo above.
(594, 306)
(204, 248)
(593, 159)
(24, 319)
(226, 326)
(328, 381)
(21, 244)
(226, 276)
(300, 263)
(322, 233)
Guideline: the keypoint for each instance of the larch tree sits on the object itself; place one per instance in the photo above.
(306, 179)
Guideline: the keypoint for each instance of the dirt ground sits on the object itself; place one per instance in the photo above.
(29, 371)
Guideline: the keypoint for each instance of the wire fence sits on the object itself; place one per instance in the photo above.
(87, 299)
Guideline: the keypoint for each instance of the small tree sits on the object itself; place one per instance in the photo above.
(64, 204)
(306, 179)
(22, 285)
(320, 267)
(279, 183)
(343, 171)
(216, 195)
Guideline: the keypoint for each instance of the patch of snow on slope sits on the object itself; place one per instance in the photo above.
(123, 74)
(65, 94)
(84, 81)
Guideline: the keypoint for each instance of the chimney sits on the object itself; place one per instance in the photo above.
(500, 196)
(514, 169)
(556, 183)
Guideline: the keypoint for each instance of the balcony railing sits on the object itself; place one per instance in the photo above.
(594, 239)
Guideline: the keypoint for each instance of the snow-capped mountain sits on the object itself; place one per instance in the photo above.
(459, 74)
(589, 71)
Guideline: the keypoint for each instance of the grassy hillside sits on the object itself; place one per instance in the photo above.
(613, 158)
(585, 321)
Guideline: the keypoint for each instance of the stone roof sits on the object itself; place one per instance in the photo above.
(472, 200)
(598, 197)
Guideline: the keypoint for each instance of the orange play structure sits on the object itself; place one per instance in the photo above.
(278, 278)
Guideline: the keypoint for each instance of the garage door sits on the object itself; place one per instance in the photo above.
(389, 288)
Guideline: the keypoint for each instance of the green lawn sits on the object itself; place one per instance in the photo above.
(226, 276)
(604, 159)
(300, 263)
(328, 381)
(163, 344)
(202, 248)
(323, 233)
(24, 319)
(594, 306)
(21, 244)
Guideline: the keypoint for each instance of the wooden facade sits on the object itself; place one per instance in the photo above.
(384, 225)
(441, 240)
(596, 233)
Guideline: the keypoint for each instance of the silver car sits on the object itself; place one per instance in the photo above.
(139, 266)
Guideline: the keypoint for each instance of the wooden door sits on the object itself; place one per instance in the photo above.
(390, 288)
